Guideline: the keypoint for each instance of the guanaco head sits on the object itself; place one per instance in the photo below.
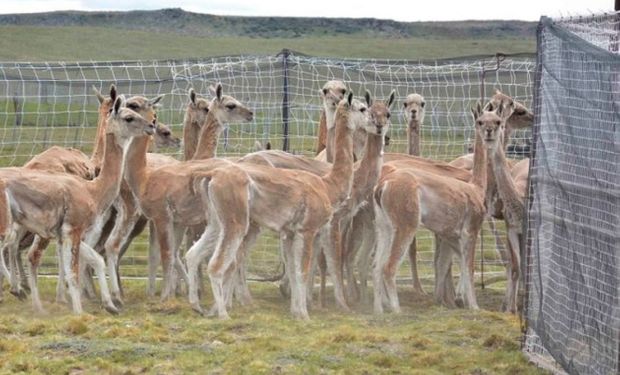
(105, 103)
(164, 137)
(379, 114)
(489, 125)
(414, 109)
(516, 114)
(144, 107)
(332, 93)
(197, 109)
(228, 109)
(352, 113)
(126, 123)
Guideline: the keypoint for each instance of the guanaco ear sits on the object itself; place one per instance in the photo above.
(211, 89)
(98, 95)
(218, 91)
(113, 93)
(118, 103)
(350, 98)
(153, 102)
(368, 98)
(497, 92)
(192, 96)
(476, 111)
(391, 98)
(499, 110)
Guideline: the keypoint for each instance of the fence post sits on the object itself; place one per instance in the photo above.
(17, 106)
(285, 100)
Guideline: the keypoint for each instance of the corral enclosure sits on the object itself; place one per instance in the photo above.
(571, 267)
(45, 104)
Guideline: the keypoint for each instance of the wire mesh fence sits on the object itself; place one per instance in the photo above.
(44, 104)
(572, 259)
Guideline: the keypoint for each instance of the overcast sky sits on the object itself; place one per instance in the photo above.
(404, 10)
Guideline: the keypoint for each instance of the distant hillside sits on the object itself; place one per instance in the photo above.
(196, 24)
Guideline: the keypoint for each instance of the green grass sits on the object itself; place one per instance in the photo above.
(28, 43)
(151, 337)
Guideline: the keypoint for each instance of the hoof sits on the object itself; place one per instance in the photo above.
(165, 296)
(20, 294)
(345, 309)
(459, 303)
(62, 300)
(300, 316)
(118, 302)
(212, 311)
(40, 311)
(111, 309)
(198, 309)
(285, 291)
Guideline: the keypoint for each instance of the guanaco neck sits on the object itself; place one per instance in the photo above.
(413, 133)
(367, 173)
(340, 179)
(98, 150)
(505, 184)
(479, 173)
(191, 132)
(207, 144)
(136, 173)
(359, 144)
(105, 188)
(507, 133)
(330, 120)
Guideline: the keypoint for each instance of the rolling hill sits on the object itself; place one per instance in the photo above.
(174, 33)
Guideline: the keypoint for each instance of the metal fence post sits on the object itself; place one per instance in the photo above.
(285, 100)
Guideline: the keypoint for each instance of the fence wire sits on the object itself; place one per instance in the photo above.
(573, 253)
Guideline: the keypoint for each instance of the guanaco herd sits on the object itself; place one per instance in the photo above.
(351, 213)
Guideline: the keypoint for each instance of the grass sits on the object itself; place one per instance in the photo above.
(151, 337)
(30, 43)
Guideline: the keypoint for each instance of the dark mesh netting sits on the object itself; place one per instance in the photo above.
(573, 248)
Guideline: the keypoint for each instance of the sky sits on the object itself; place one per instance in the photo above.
(403, 10)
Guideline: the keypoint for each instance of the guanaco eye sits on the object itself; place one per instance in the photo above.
(206, 110)
(363, 109)
(165, 133)
(231, 106)
(388, 115)
(343, 91)
(422, 104)
(479, 123)
(404, 105)
(324, 91)
(520, 112)
(133, 106)
(129, 119)
(497, 122)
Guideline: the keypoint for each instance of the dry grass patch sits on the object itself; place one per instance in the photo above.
(170, 338)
